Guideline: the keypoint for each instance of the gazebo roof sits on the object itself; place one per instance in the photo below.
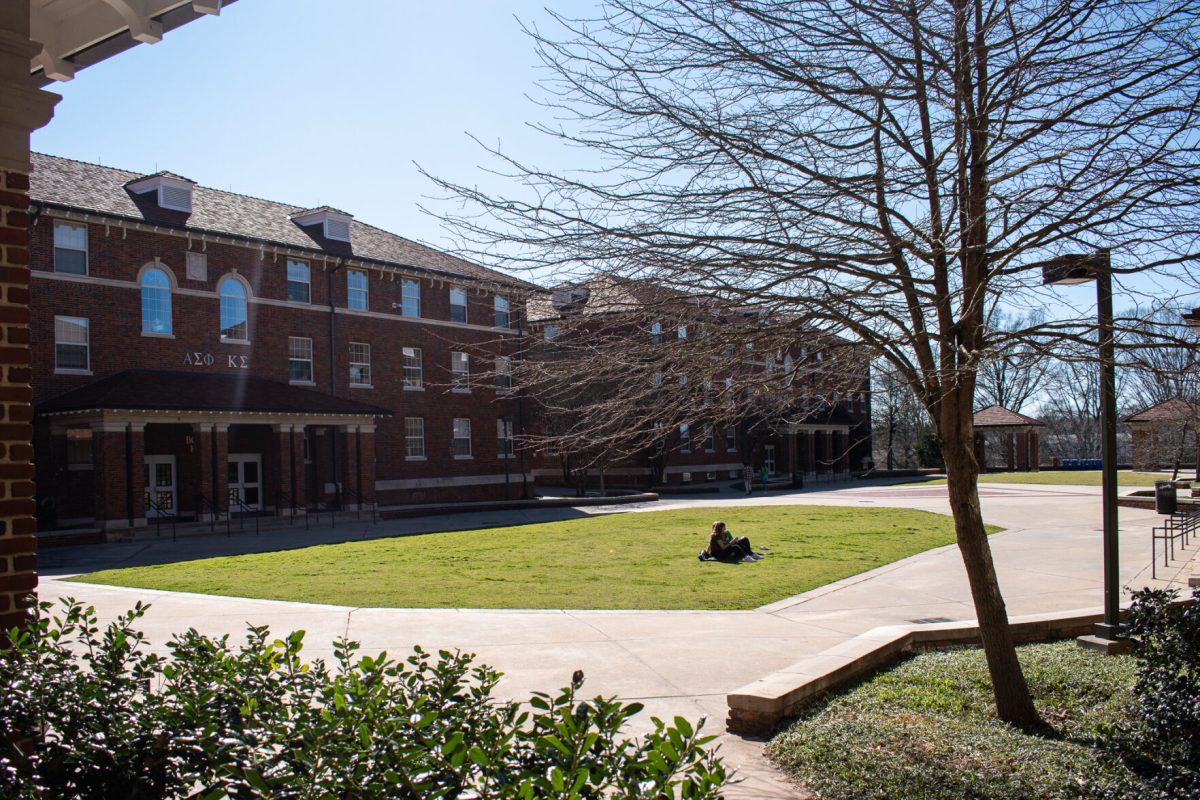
(1174, 410)
(1001, 417)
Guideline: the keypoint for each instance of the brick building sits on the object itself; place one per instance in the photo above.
(198, 352)
(803, 409)
(1165, 435)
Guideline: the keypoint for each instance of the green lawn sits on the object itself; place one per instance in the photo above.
(637, 560)
(926, 729)
(1064, 478)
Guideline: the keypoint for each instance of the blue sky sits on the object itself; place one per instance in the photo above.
(315, 102)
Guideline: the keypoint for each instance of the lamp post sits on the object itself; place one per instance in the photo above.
(1077, 268)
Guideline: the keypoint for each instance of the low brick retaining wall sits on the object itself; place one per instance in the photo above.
(757, 708)
(402, 512)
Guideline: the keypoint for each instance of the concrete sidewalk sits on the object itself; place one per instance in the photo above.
(676, 662)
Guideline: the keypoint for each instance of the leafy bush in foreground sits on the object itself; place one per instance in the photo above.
(91, 713)
(1163, 742)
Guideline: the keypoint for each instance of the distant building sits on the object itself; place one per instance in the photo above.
(1164, 435)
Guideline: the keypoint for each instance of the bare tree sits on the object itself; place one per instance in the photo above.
(899, 419)
(1157, 366)
(1014, 372)
(887, 171)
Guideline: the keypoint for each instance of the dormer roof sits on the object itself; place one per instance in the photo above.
(174, 192)
(335, 224)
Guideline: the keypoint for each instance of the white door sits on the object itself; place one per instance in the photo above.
(769, 458)
(159, 481)
(245, 482)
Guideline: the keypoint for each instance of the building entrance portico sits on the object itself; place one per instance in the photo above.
(130, 462)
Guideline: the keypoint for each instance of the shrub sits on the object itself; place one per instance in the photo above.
(92, 713)
(1162, 743)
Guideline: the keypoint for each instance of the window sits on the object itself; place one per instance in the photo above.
(413, 371)
(682, 333)
(71, 344)
(356, 290)
(79, 448)
(298, 282)
(410, 298)
(788, 370)
(656, 379)
(503, 374)
(414, 438)
(233, 311)
(461, 445)
(551, 332)
(500, 311)
(655, 333)
(685, 439)
(504, 437)
(70, 248)
(710, 442)
(360, 364)
(460, 372)
(458, 304)
(300, 359)
(731, 439)
(156, 302)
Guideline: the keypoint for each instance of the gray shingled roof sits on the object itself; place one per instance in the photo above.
(67, 183)
(1174, 410)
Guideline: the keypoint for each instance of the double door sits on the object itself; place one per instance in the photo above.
(160, 490)
(245, 482)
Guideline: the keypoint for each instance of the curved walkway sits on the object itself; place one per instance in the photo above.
(676, 662)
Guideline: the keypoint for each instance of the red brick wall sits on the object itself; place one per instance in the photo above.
(18, 548)
(113, 311)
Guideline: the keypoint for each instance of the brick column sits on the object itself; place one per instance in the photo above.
(1035, 457)
(135, 449)
(843, 453)
(981, 451)
(23, 110)
(110, 466)
(1023, 451)
(286, 474)
(1011, 450)
(810, 449)
(212, 459)
(366, 460)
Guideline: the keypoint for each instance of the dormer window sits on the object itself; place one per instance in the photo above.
(173, 192)
(335, 225)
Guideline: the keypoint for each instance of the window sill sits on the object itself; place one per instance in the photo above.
(414, 388)
(362, 386)
(464, 458)
(241, 342)
(503, 392)
(415, 458)
(302, 383)
(460, 391)
(156, 335)
(506, 458)
(67, 371)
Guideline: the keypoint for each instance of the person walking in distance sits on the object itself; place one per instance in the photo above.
(748, 479)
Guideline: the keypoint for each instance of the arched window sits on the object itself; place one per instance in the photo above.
(233, 310)
(156, 301)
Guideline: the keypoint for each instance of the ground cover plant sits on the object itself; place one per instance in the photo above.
(927, 728)
(632, 560)
(92, 713)
(1064, 478)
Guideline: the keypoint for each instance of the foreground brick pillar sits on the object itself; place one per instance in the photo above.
(1035, 457)
(22, 110)
(212, 461)
(357, 464)
(1023, 451)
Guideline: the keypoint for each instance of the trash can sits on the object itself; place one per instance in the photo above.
(1164, 497)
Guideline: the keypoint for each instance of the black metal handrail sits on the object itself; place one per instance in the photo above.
(289, 502)
(359, 504)
(214, 514)
(159, 514)
(245, 511)
(1181, 526)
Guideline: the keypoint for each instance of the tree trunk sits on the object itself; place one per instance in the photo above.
(1013, 702)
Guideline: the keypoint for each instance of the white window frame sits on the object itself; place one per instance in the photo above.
(730, 439)
(169, 331)
(410, 298)
(64, 226)
(710, 439)
(685, 438)
(457, 426)
(460, 371)
(244, 299)
(500, 306)
(463, 305)
(681, 332)
(362, 359)
(551, 332)
(357, 297)
(86, 344)
(655, 333)
(504, 438)
(414, 354)
(414, 438)
(300, 351)
(306, 282)
(503, 375)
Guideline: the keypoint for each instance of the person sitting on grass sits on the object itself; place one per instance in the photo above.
(722, 545)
